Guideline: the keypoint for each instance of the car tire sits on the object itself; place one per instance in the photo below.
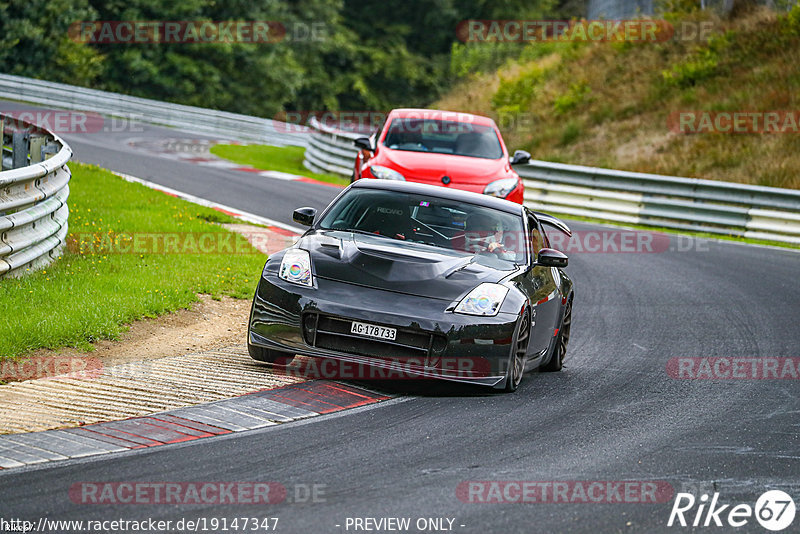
(266, 355)
(556, 362)
(517, 358)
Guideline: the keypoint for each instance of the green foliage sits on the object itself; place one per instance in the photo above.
(515, 94)
(336, 55)
(34, 41)
(476, 58)
(790, 24)
(700, 65)
(605, 111)
(675, 8)
(570, 99)
(571, 132)
(624, 119)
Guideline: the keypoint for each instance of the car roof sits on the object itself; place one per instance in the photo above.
(441, 192)
(438, 114)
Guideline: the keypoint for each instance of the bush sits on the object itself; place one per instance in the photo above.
(570, 100)
(700, 65)
(571, 132)
(515, 94)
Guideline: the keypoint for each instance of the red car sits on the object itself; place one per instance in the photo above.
(445, 148)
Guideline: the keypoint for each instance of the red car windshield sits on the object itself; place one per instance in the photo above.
(443, 137)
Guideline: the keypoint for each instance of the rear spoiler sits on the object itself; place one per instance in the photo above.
(549, 220)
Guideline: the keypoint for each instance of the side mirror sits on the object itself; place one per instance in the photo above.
(304, 216)
(520, 157)
(364, 144)
(549, 257)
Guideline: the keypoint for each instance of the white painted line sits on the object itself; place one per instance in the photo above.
(239, 214)
(217, 164)
(87, 441)
(278, 175)
(50, 441)
(7, 463)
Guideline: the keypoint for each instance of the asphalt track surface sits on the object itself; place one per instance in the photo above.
(613, 414)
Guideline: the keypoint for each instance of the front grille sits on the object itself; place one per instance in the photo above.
(333, 333)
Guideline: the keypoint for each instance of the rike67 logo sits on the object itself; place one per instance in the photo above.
(774, 510)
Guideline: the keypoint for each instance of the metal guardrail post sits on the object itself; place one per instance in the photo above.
(19, 149)
(36, 146)
(2, 144)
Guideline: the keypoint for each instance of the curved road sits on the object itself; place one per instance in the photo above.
(613, 414)
(118, 151)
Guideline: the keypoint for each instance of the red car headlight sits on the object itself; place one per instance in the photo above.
(501, 188)
(385, 173)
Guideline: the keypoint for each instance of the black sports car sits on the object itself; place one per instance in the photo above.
(420, 279)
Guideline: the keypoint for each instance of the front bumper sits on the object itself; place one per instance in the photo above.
(431, 343)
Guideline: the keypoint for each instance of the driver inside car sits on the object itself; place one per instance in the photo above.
(485, 234)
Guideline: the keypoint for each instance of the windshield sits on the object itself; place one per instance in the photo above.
(447, 224)
(444, 137)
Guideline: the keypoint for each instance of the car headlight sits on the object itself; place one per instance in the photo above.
(485, 299)
(296, 267)
(501, 188)
(385, 173)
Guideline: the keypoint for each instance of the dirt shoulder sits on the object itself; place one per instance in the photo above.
(188, 357)
(182, 359)
(208, 325)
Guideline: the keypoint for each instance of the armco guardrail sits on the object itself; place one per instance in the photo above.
(692, 204)
(665, 201)
(330, 150)
(207, 121)
(33, 198)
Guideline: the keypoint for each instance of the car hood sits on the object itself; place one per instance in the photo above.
(389, 264)
(430, 167)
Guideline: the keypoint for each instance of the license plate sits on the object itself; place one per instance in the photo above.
(371, 330)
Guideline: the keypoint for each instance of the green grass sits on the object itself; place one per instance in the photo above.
(272, 158)
(86, 296)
